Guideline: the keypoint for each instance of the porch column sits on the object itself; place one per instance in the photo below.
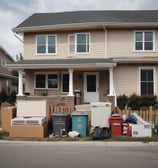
(70, 82)
(111, 82)
(20, 83)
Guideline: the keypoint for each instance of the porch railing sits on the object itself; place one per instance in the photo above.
(41, 92)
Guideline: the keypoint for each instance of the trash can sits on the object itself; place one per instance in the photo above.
(116, 125)
(80, 122)
(77, 97)
(60, 123)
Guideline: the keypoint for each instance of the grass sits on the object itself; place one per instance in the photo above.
(154, 138)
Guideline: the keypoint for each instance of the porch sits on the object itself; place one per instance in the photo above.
(92, 78)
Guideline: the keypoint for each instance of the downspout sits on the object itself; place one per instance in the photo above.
(106, 56)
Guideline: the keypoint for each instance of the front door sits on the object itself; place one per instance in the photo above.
(91, 87)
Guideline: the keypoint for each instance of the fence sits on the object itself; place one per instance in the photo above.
(65, 109)
(150, 115)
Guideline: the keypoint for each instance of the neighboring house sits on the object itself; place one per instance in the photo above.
(103, 54)
(5, 75)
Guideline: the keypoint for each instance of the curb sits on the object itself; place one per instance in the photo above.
(86, 143)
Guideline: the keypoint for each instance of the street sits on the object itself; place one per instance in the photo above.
(45, 155)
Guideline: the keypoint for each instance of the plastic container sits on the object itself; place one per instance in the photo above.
(116, 126)
(80, 122)
(60, 123)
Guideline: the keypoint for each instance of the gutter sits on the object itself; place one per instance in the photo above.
(84, 25)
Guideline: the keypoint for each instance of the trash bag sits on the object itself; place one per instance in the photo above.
(101, 133)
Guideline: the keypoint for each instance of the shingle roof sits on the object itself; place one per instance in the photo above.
(58, 63)
(74, 17)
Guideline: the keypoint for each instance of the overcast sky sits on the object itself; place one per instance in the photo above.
(13, 12)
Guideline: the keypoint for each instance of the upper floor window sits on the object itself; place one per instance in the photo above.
(82, 43)
(144, 41)
(79, 43)
(46, 44)
(3, 62)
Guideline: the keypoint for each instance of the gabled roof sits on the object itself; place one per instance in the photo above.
(6, 53)
(89, 17)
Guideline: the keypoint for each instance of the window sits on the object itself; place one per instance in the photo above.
(46, 44)
(147, 81)
(82, 43)
(52, 81)
(46, 81)
(3, 62)
(40, 81)
(144, 41)
(65, 82)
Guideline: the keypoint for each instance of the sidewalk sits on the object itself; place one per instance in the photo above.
(83, 143)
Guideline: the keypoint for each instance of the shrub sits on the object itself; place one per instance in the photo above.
(136, 102)
(12, 97)
(3, 97)
(122, 101)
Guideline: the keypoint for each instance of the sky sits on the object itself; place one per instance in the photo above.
(13, 12)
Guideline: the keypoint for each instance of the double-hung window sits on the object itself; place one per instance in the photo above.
(82, 42)
(46, 81)
(147, 81)
(46, 44)
(144, 41)
(3, 62)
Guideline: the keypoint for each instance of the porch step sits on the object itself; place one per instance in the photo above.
(83, 107)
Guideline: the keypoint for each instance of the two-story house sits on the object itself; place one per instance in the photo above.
(103, 54)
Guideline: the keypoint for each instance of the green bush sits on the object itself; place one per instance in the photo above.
(136, 102)
(12, 97)
(122, 101)
(3, 97)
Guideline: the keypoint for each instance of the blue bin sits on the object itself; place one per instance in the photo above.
(80, 122)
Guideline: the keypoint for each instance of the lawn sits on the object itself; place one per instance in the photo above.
(5, 136)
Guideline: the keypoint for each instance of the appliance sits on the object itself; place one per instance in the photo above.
(29, 121)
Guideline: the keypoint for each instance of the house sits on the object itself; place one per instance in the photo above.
(6, 75)
(96, 55)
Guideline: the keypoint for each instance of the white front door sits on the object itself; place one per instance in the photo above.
(91, 87)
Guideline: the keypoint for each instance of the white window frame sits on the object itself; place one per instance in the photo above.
(76, 43)
(65, 72)
(47, 35)
(143, 31)
(154, 80)
(46, 79)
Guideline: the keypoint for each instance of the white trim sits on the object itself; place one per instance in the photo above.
(86, 43)
(46, 53)
(46, 79)
(146, 51)
(154, 80)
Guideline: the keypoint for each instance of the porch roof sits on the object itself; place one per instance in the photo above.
(63, 63)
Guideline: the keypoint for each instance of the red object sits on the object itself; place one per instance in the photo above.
(126, 129)
(116, 126)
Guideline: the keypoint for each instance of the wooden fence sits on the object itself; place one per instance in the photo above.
(64, 109)
(150, 115)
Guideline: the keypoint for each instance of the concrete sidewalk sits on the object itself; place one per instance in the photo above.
(83, 143)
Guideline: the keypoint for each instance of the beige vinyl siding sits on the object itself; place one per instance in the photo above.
(121, 44)
(97, 46)
(126, 79)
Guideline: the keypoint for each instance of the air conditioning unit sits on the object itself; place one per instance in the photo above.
(29, 121)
